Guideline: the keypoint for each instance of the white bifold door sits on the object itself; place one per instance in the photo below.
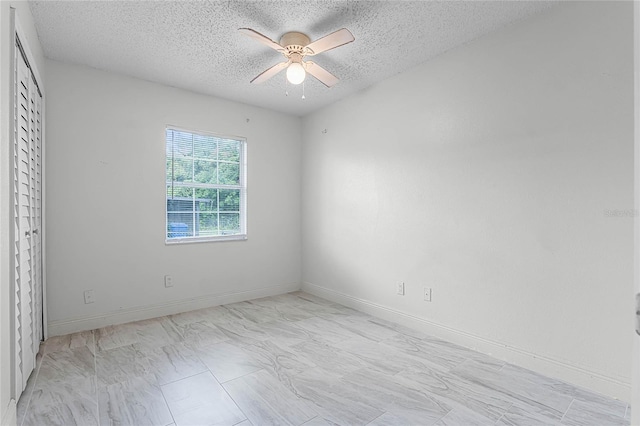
(27, 205)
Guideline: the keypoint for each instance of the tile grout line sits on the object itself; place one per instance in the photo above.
(458, 364)
(167, 403)
(235, 378)
(503, 414)
(183, 378)
(626, 410)
(229, 395)
(567, 410)
(442, 418)
(500, 418)
(377, 417)
(95, 374)
(164, 398)
(313, 418)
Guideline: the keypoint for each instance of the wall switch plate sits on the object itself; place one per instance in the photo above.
(168, 281)
(89, 297)
(427, 294)
(400, 289)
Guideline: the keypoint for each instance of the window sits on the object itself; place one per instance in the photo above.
(206, 187)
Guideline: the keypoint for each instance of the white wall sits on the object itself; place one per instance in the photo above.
(486, 174)
(24, 21)
(106, 201)
(635, 379)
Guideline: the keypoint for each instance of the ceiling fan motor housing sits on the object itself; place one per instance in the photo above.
(294, 42)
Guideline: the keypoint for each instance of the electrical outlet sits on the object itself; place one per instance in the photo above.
(427, 294)
(400, 289)
(89, 297)
(168, 281)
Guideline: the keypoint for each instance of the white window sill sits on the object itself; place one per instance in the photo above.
(191, 240)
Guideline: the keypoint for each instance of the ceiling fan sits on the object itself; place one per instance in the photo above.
(295, 47)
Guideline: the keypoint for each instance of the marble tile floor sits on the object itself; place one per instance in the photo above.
(293, 359)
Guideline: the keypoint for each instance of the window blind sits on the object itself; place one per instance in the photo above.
(206, 187)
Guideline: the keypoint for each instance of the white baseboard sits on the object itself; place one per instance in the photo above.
(67, 326)
(592, 380)
(10, 416)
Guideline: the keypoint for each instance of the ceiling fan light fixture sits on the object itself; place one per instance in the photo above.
(296, 73)
(295, 46)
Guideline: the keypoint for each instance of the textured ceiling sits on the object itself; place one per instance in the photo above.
(195, 45)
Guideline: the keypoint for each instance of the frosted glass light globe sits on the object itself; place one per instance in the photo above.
(296, 73)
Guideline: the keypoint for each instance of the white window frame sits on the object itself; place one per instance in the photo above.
(242, 186)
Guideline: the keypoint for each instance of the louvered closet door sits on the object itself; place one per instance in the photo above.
(27, 216)
(36, 216)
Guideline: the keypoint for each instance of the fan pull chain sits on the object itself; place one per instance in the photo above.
(286, 86)
(303, 98)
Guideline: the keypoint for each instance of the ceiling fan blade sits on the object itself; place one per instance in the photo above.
(261, 38)
(321, 74)
(328, 42)
(266, 75)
